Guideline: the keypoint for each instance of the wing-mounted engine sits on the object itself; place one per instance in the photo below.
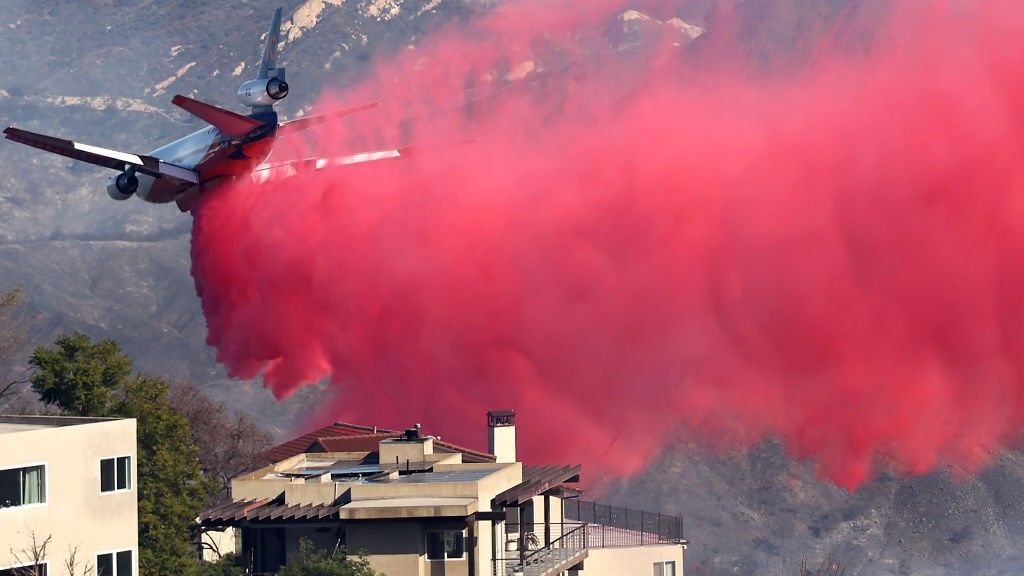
(122, 186)
(264, 91)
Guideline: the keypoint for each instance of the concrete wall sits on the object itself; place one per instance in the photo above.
(501, 441)
(396, 548)
(400, 451)
(399, 548)
(257, 489)
(635, 561)
(507, 477)
(217, 544)
(75, 514)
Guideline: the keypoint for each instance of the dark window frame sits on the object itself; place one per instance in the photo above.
(26, 569)
(18, 474)
(117, 566)
(116, 474)
(458, 543)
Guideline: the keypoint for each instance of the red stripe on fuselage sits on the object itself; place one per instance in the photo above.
(222, 160)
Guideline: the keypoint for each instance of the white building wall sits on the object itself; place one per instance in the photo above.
(76, 515)
(632, 561)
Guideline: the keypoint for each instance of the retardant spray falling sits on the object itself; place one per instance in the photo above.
(833, 258)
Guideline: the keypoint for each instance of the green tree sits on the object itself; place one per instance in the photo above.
(313, 561)
(226, 566)
(84, 378)
(172, 488)
(80, 377)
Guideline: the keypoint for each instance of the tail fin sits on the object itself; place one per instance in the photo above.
(269, 61)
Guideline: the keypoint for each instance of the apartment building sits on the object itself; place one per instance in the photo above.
(418, 506)
(67, 490)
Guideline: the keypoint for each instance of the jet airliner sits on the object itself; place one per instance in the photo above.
(233, 146)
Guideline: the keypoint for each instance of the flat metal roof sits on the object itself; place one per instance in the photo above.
(441, 477)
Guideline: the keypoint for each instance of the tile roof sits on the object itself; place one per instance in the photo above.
(345, 437)
(299, 445)
(468, 456)
(367, 443)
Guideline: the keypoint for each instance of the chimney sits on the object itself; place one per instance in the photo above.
(501, 435)
(412, 446)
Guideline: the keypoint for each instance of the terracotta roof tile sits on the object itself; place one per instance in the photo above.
(299, 445)
(468, 456)
(345, 437)
(367, 443)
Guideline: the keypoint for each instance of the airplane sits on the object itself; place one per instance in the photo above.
(233, 146)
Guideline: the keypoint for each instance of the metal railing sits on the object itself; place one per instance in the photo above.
(572, 538)
(526, 552)
(612, 526)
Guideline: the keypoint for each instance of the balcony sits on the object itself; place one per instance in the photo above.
(526, 556)
(616, 526)
(545, 549)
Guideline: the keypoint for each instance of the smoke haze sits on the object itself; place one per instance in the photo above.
(637, 244)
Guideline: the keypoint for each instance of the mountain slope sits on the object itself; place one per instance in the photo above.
(104, 71)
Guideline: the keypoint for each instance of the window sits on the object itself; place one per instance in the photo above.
(115, 564)
(116, 474)
(512, 520)
(665, 568)
(23, 486)
(445, 545)
(29, 570)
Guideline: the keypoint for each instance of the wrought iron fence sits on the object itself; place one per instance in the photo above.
(612, 526)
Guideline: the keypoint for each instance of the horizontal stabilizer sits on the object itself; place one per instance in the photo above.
(231, 123)
(303, 123)
(101, 156)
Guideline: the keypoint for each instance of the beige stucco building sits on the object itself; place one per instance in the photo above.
(72, 481)
(417, 506)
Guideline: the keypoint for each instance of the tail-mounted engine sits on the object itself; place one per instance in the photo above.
(264, 91)
(122, 186)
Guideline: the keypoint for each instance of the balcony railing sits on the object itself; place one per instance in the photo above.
(525, 552)
(612, 526)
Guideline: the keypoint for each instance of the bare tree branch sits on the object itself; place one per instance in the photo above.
(71, 564)
(229, 443)
(33, 557)
(13, 333)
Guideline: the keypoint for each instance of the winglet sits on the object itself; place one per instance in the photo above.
(269, 61)
(228, 122)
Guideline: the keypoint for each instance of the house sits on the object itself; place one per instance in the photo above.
(67, 490)
(417, 506)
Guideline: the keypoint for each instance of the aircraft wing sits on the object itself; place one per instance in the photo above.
(287, 169)
(101, 156)
(291, 126)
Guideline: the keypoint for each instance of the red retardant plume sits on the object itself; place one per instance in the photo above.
(637, 244)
